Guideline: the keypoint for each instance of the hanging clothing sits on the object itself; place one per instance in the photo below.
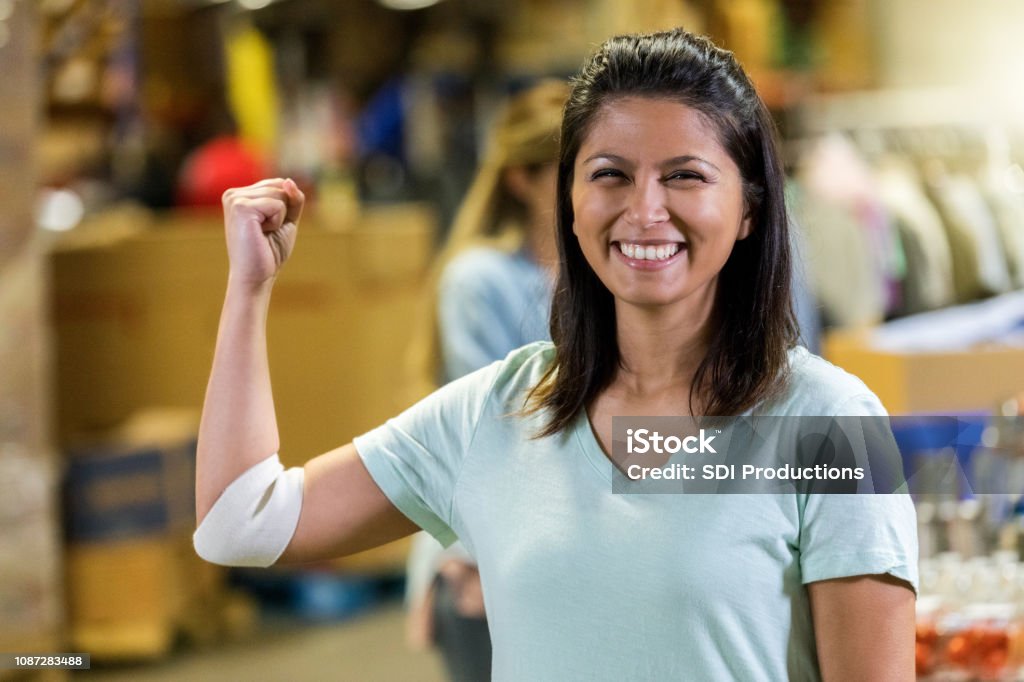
(834, 170)
(928, 283)
(839, 261)
(1007, 208)
(979, 266)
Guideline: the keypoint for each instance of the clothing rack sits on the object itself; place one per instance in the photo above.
(909, 108)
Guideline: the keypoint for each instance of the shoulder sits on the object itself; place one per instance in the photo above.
(816, 387)
(520, 371)
(500, 382)
(476, 264)
(489, 266)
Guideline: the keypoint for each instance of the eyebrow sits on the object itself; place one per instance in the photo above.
(685, 158)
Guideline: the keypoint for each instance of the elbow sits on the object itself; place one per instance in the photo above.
(254, 519)
(215, 547)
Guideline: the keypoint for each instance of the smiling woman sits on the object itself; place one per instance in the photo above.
(672, 300)
(666, 141)
(657, 216)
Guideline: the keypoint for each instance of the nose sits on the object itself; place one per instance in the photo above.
(647, 203)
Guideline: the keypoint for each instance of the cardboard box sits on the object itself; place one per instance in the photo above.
(134, 580)
(124, 597)
(136, 480)
(946, 382)
(136, 324)
(36, 643)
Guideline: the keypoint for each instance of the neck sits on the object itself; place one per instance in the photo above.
(660, 349)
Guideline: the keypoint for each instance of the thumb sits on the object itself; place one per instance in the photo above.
(296, 200)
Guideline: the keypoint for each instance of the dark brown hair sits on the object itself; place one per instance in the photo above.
(746, 361)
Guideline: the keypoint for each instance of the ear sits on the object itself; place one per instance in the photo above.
(746, 227)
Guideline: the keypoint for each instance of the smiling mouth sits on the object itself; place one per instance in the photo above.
(651, 252)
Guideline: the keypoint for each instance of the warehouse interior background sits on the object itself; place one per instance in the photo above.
(902, 124)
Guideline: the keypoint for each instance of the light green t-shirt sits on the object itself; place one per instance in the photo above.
(583, 584)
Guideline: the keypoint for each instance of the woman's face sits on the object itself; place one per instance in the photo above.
(658, 202)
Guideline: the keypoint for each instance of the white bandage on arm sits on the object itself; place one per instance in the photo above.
(254, 519)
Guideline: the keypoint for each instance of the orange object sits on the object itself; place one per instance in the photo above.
(958, 650)
(923, 658)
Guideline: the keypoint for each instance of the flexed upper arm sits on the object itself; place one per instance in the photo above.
(269, 514)
(343, 510)
(379, 488)
(394, 479)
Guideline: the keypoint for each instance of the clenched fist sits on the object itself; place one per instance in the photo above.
(261, 222)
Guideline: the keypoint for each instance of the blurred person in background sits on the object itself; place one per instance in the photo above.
(492, 285)
(673, 298)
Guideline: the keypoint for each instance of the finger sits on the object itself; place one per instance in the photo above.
(278, 193)
(269, 213)
(295, 203)
(268, 182)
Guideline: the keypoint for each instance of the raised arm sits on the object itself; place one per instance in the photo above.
(340, 508)
(239, 426)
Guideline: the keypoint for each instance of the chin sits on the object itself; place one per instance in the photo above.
(649, 299)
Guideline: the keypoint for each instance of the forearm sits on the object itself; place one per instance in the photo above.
(239, 425)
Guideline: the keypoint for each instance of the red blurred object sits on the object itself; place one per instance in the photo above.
(958, 651)
(983, 648)
(923, 658)
(924, 649)
(220, 164)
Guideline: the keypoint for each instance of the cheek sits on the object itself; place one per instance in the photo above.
(592, 210)
(718, 216)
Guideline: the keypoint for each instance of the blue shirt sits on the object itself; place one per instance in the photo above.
(490, 302)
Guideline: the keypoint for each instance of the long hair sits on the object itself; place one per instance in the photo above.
(525, 134)
(746, 362)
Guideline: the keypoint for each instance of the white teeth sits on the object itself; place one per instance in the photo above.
(640, 252)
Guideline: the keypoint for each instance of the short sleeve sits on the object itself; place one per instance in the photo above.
(416, 457)
(858, 534)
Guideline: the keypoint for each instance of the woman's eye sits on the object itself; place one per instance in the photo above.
(685, 175)
(606, 173)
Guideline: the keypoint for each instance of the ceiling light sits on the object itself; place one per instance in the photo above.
(254, 4)
(407, 4)
(59, 210)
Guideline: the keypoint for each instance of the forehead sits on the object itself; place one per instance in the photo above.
(651, 126)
